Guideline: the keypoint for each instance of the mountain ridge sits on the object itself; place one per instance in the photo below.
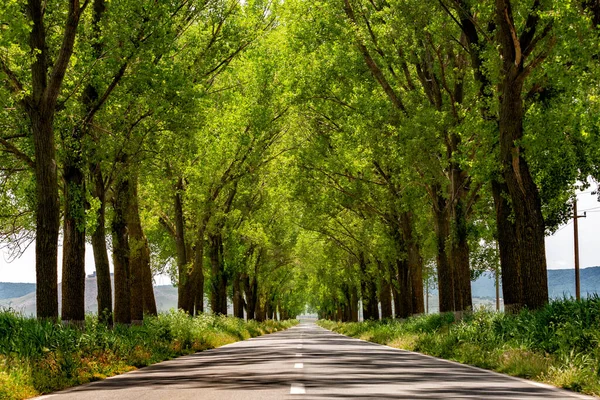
(561, 283)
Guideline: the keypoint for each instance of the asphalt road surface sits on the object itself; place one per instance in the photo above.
(308, 362)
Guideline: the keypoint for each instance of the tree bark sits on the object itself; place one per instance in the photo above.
(444, 267)
(414, 263)
(385, 297)
(508, 243)
(218, 295)
(524, 195)
(369, 293)
(405, 296)
(47, 218)
(238, 300)
(396, 296)
(142, 290)
(259, 312)
(353, 304)
(73, 267)
(89, 99)
(41, 108)
(180, 244)
(101, 253)
(191, 281)
(512, 284)
(198, 273)
(250, 287)
(121, 251)
(461, 268)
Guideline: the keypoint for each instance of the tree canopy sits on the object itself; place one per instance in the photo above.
(279, 157)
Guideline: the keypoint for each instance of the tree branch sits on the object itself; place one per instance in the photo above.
(10, 148)
(373, 67)
(14, 85)
(64, 55)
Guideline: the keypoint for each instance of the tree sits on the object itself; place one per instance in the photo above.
(49, 52)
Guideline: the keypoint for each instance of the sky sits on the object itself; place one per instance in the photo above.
(559, 247)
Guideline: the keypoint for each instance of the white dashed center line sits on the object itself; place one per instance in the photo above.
(297, 388)
(299, 365)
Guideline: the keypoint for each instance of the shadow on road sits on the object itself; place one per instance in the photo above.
(331, 361)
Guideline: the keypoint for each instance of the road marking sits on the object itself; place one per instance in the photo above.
(298, 354)
(297, 388)
(299, 346)
(299, 365)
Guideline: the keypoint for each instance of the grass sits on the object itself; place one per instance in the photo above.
(42, 357)
(559, 344)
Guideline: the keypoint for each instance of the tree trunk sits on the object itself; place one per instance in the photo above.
(40, 106)
(525, 201)
(369, 293)
(89, 100)
(120, 242)
(524, 195)
(142, 290)
(191, 281)
(182, 256)
(512, 284)
(100, 252)
(198, 275)
(238, 300)
(511, 116)
(349, 305)
(73, 267)
(47, 218)
(372, 304)
(415, 264)
(269, 310)
(385, 297)
(148, 283)
(444, 267)
(396, 296)
(218, 295)
(461, 269)
(353, 304)
(250, 287)
(405, 305)
(259, 312)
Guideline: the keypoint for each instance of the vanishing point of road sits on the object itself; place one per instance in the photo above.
(309, 362)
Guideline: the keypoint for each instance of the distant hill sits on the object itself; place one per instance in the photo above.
(561, 283)
(10, 290)
(21, 296)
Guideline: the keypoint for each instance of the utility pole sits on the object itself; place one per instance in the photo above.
(576, 242)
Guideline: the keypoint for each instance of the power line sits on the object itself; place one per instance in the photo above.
(591, 209)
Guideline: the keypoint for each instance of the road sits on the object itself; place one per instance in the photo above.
(309, 362)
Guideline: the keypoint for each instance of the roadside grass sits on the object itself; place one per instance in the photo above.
(42, 357)
(558, 345)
